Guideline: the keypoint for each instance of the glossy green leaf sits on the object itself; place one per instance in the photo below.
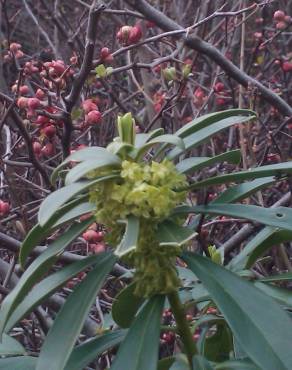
(201, 363)
(59, 197)
(10, 347)
(180, 363)
(208, 320)
(170, 233)
(196, 163)
(200, 294)
(287, 276)
(279, 170)
(76, 212)
(130, 238)
(278, 217)
(162, 139)
(142, 139)
(85, 353)
(62, 336)
(199, 137)
(83, 168)
(18, 363)
(26, 248)
(208, 119)
(281, 295)
(264, 330)
(46, 287)
(238, 192)
(33, 238)
(218, 346)
(126, 305)
(120, 148)
(167, 139)
(142, 340)
(257, 246)
(66, 213)
(165, 363)
(37, 269)
(80, 156)
(236, 365)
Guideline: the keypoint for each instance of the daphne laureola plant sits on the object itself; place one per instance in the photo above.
(137, 188)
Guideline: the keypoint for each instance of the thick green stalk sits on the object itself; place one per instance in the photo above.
(182, 326)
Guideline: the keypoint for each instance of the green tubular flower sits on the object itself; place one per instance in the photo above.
(146, 191)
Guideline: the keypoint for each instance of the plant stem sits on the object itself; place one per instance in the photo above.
(182, 326)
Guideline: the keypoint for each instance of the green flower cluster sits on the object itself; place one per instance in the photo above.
(155, 265)
(146, 191)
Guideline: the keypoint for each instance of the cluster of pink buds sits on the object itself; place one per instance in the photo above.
(199, 97)
(14, 51)
(282, 19)
(92, 113)
(4, 208)
(287, 66)
(129, 35)
(29, 104)
(30, 68)
(221, 94)
(106, 56)
(95, 239)
(56, 73)
(159, 100)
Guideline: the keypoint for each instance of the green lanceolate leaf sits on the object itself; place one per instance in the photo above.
(46, 287)
(63, 334)
(238, 192)
(281, 295)
(287, 276)
(76, 212)
(180, 363)
(11, 347)
(196, 163)
(237, 365)
(83, 168)
(265, 239)
(130, 238)
(167, 139)
(201, 363)
(65, 214)
(204, 134)
(278, 217)
(33, 238)
(37, 269)
(59, 197)
(279, 169)
(208, 119)
(81, 155)
(27, 247)
(165, 363)
(126, 305)
(85, 353)
(120, 148)
(18, 363)
(219, 345)
(247, 310)
(142, 339)
(141, 139)
(170, 233)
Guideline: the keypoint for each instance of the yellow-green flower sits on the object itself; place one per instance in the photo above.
(147, 191)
